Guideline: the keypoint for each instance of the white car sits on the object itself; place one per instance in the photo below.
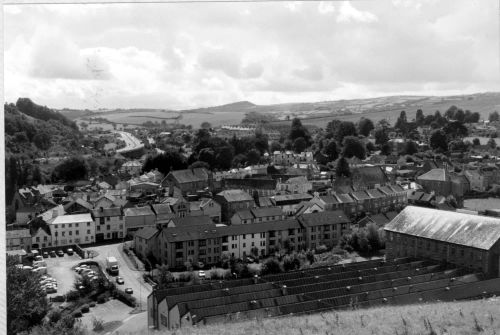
(201, 274)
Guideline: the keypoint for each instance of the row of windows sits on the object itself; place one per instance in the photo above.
(70, 225)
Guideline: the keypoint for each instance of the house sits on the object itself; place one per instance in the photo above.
(143, 246)
(294, 185)
(163, 213)
(470, 241)
(77, 206)
(109, 223)
(444, 183)
(138, 217)
(27, 205)
(258, 215)
(210, 208)
(104, 201)
(72, 229)
(364, 177)
(17, 239)
(133, 167)
(232, 201)
(324, 228)
(188, 181)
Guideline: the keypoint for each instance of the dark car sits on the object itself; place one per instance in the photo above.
(128, 290)
(52, 254)
(120, 281)
(69, 251)
(45, 254)
(60, 253)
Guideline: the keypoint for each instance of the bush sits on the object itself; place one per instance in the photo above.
(58, 298)
(125, 298)
(97, 324)
(54, 316)
(92, 304)
(270, 266)
(77, 314)
(85, 308)
(72, 295)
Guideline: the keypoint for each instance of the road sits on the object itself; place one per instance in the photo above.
(133, 278)
(131, 142)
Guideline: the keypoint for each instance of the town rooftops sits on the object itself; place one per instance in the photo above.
(162, 208)
(329, 199)
(323, 218)
(190, 221)
(235, 195)
(266, 211)
(474, 231)
(297, 198)
(374, 193)
(345, 198)
(189, 233)
(138, 211)
(387, 190)
(190, 175)
(435, 175)
(74, 218)
(146, 233)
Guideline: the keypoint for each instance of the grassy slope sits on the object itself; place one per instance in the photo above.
(465, 317)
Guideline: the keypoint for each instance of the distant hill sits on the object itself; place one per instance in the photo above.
(312, 113)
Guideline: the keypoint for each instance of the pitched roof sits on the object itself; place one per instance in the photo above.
(235, 195)
(189, 233)
(474, 231)
(345, 198)
(324, 218)
(360, 195)
(190, 175)
(293, 197)
(162, 208)
(73, 218)
(244, 214)
(138, 211)
(386, 190)
(112, 211)
(374, 193)
(266, 211)
(146, 232)
(17, 233)
(265, 202)
(329, 199)
(435, 175)
(256, 228)
(190, 221)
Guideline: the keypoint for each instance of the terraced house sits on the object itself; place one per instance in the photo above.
(109, 223)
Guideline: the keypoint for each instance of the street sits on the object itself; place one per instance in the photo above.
(131, 142)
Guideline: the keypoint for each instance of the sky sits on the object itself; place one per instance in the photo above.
(180, 56)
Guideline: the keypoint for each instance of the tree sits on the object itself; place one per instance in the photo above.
(402, 123)
(224, 157)
(331, 150)
(419, 117)
(494, 116)
(253, 156)
(471, 117)
(438, 140)
(410, 148)
(476, 141)
(345, 128)
(298, 130)
(71, 169)
(169, 160)
(299, 144)
(492, 143)
(354, 147)
(199, 164)
(455, 129)
(205, 125)
(270, 266)
(42, 140)
(27, 304)
(342, 169)
(207, 155)
(275, 146)
(365, 126)
(164, 277)
(381, 137)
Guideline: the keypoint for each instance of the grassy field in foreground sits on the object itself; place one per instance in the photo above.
(465, 317)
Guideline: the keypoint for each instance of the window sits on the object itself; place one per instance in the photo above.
(62, 226)
(313, 229)
(190, 252)
(313, 237)
(101, 220)
(63, 234)
(108, 227)
(271, 233)
(88, 224)
(191, 243)
(77, 232)
(178, 245)
(98, 228)
(108, 218)
(202, 243)
(121, 234)
(233, 238)
(70, 233)
(253, 235)
(244, 236)
(69, 225)
(262, 235)
(326, 236)
(76, 225)
(108, 235)
(56, 233)
(271, 242)
(326, 227)
(88, 231)
(253, 244)
(234, 246)
(224, 248)
(291, 231)
(178, 254)
(244, 245)
(262, 243)
(38, 239)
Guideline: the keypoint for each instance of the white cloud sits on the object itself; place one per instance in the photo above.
(348, 13)
(326, 7)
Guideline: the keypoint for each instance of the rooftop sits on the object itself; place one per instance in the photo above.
(235, 195)
(74, 218)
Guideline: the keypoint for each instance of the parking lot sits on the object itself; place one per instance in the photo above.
(60, 269)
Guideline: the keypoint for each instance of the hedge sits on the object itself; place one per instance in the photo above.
(125, 298)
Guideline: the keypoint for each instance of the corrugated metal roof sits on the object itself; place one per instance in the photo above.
(464, 229)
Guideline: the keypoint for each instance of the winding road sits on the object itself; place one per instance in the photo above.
(132, 143)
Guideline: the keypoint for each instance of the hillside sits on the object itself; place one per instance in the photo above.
(30, 129)
(313, 113)
(465, 317)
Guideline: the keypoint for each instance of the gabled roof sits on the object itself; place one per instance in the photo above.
(360, 195)
(323, 218)
(267, 211)
(345, 198)
(189, 233)
(74, 218)
(397, 188)
(329, 199)
(386, 190)
(474, 231)
(138, 211)
(292, 197)
(244, 214)
(435, 175)
(235, 195)
(147, 233)
(265, 202)
(190, 175)
(374, 193)
(105, 212)
(162, 208)
(190, 221)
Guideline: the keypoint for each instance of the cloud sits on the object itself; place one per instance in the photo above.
(313, 73)
(222, 60)
(350, 14)
(325, 7)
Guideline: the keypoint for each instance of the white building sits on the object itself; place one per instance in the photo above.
(72, 229)
(109, 223)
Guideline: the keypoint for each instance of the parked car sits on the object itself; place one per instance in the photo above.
(38, 258)
(69, 251)
(52, 254)
(201, 274)
(45, 254)
(120, 281)
(128, 290)
(60, 253)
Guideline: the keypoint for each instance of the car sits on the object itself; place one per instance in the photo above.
(50, 290)
(128, 290)
(38, 258)
(52, 253)
(69, 251)
(45, 254)
(201, 274)
(120, 281)
(60, 253)
(77, 269)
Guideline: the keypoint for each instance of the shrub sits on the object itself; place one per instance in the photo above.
(92, 304)
(77, 314)
(101, 299)
(58, 298)
(97, 324)
(54, 316)
(72, 295)
(85, 308)
(125, 298)
(270, 266)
